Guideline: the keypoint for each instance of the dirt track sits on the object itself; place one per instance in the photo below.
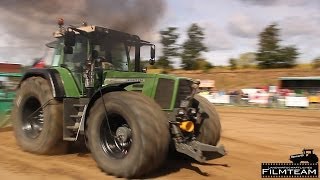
(250, 135)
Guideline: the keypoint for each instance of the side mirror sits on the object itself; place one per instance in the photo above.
(152, 55)
(68, 50)
(152, 61)
(69, 38)
(153, 51)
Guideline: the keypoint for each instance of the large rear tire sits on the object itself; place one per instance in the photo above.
(144, 126)
(40, 131)
(210, 129)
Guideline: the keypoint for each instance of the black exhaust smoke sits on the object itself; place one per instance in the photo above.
(31, 23)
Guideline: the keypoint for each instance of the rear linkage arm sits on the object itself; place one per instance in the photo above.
(195, 150)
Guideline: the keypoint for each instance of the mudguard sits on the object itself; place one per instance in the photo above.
(51, 75)
(97, 95)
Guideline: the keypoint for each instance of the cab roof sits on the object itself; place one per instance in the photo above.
(88, 30)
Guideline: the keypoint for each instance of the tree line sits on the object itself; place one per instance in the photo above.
(270, 53)
(189, 51)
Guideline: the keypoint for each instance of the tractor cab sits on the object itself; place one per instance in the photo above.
(88, 51)
(113, 48)
(307, 151)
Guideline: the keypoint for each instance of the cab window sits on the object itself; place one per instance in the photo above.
(75, 61)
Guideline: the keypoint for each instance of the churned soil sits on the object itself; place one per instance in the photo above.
(251, 136)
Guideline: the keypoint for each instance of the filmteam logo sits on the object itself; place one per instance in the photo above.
(296, 169)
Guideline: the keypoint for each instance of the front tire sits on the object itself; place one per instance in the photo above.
(210, 128)
(40, 131)
(144, 129)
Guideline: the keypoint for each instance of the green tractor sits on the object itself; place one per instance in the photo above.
(129, 120)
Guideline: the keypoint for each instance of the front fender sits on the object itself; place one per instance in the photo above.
(103, 90)
(51, 75)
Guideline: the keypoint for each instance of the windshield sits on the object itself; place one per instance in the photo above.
(112, 56)
(111, 52)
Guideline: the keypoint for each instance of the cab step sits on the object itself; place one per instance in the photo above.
(74, 127)
(72, 116)
(78, 105)
(70, 138)
(76, 115)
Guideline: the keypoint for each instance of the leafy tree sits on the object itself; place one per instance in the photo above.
(193, 47)
(246, 60)
(170, 49)
(204, 65)
(316, 63)
(267, 54)
(163, 62)
(270, 54)
(288, 56)
(233, 63)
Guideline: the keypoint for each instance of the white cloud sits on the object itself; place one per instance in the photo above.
(278, 2)
(303, 32)
(243, 26)
(300, 26)
(215, 37)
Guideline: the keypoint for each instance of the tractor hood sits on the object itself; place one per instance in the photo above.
(121, 77)
(296, 155)
(167, 90)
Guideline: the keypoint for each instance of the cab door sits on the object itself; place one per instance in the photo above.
(75, 62)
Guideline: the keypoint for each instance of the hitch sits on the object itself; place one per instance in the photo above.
(199, 151)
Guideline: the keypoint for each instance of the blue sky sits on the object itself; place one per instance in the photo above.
(231, 26)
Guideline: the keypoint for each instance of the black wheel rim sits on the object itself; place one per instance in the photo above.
(115, 141)
(32, 118)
